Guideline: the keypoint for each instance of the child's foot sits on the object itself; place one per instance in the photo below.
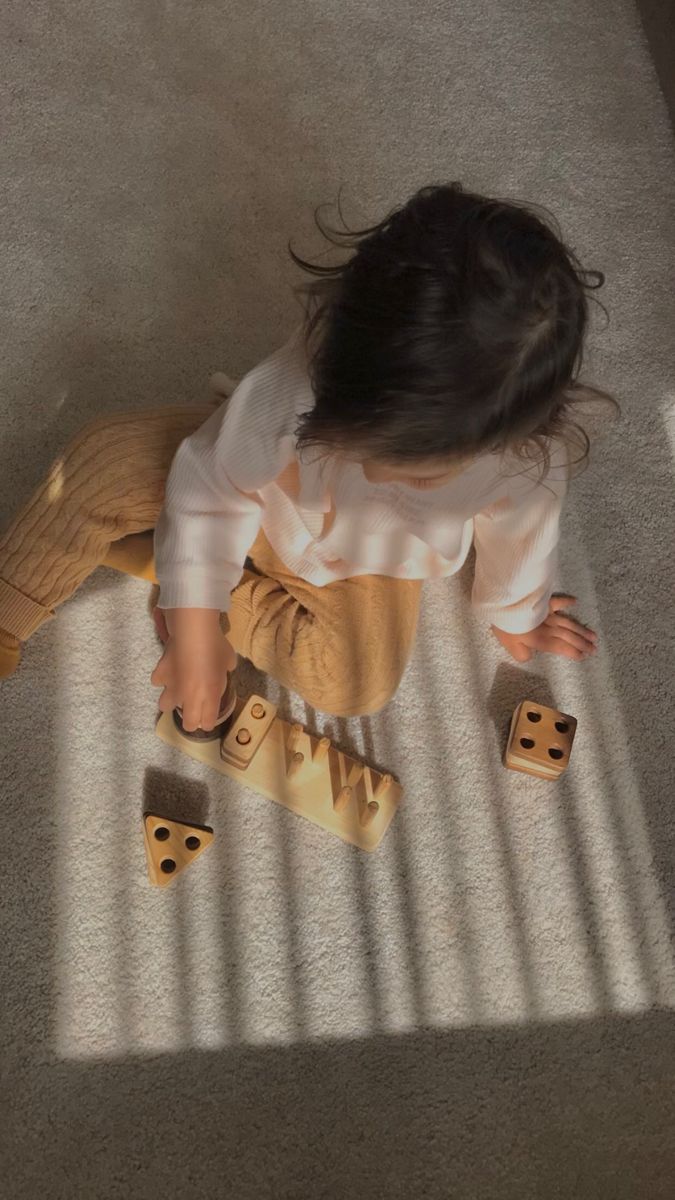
(222, 386)
(10, 654)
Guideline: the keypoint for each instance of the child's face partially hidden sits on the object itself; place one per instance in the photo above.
(428, 473)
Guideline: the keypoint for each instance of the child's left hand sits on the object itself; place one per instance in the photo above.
(555, 635)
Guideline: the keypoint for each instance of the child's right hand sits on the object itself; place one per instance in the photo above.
(195, 665)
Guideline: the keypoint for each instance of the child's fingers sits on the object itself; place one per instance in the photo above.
(560, 623)
(164, 673)
(564, 601)
(168, 700)
(521, 652)
(209, 717)
(200, 715)
(191, 710)
(571, 623)
(159, 675)
(567, 646)
(192, 721)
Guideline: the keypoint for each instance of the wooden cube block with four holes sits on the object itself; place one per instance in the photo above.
(540, 740)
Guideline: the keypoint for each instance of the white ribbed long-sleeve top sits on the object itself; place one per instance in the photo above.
(241, 471)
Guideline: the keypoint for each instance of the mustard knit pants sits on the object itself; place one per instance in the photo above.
(342, 647)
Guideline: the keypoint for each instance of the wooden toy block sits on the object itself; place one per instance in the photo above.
(170, 846)
(304, 773)
(251, 723)
(540, 740)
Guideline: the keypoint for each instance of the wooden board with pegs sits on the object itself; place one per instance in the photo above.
(303, 772)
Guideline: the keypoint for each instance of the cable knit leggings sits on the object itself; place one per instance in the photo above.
(342, 647)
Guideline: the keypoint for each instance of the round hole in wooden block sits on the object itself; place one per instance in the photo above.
(555, 752)
(162, 833)
(533, 716)
(243, 737)
(528, 743)
(258, 711)
(192, 842)
(168, 866)
(562, 726)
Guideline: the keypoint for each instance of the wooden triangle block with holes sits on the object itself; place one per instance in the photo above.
(170, 846)
(540, 740)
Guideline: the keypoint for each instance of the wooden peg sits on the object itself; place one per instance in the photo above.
(355, 774)
(322, 749)
(295, 764)
(293, 735)
(383, 785)
(342, 799)
(368, 813)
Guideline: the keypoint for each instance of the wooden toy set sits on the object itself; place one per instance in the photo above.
(314, 779)
(292, 767)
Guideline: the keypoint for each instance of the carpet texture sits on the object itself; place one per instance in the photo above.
(484, 1007)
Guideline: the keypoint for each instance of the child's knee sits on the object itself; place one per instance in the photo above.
(349, 692)
(134, 445)
(116, 469)
(104, 447)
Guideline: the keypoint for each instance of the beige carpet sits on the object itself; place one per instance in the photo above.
(483, 1008)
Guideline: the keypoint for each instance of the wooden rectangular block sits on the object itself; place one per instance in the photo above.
(251, 723)
(311, 790)
(540, 740)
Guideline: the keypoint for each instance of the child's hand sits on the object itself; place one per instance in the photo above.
(555, 635)
(195, 665)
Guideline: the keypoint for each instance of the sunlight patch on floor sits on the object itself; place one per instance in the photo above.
(632, 916)
(495, 898)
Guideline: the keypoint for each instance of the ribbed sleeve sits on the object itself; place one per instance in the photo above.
(212, 510)
(516, 541)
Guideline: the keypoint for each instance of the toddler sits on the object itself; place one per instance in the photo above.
(425, 404)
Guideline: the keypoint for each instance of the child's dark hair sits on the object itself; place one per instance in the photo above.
(456, 328)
